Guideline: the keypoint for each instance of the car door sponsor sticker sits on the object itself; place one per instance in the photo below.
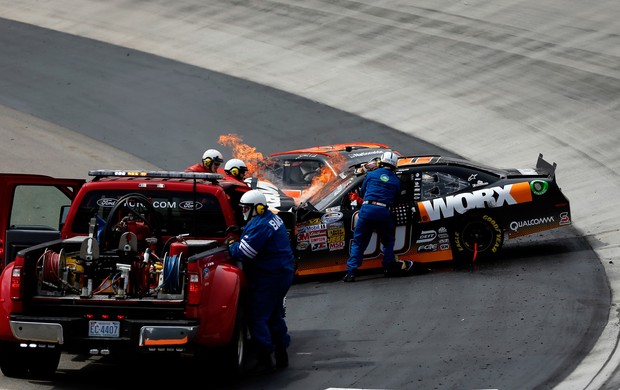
(434, 209)
(331, 217)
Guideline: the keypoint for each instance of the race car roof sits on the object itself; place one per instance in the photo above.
(327, 149)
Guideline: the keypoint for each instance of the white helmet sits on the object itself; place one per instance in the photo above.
(235, 167)
(210, 157)
(390, 159)
(253, 201)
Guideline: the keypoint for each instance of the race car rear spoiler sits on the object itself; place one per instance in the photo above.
(544, 167)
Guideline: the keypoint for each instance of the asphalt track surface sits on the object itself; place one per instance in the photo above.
(497, 82)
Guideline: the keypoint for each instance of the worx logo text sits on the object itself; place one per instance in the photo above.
(432, 210)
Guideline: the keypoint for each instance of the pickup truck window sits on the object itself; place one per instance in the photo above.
(37, 207)
(174, 209)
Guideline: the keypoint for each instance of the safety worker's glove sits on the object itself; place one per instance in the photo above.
(234, 229)
(229, 241)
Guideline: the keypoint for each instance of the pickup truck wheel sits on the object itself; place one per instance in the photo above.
(233, 356)
(13, 360)
(18, 362)
(43, 362)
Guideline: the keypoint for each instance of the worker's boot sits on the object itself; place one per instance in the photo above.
(281, 358)
(398, 268)
(264, 364)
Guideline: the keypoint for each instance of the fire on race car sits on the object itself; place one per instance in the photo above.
(450, 210)
(303, 171)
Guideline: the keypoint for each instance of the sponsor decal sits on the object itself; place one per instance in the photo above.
(158, 204)
(335, 237)
(426, 236)
(366, 153)
(315, 240)
(302, 245)
(189, 205)
(169, 205)
(205, 273)
(317, 233)
(336, 225)
(564, 219)
(427, 248)
(335, 246)
(311, 228)
(303, 237)
(336, 232)
(384, 178)
(444, 241)
(516, 225)
(444, 247)
(434, 209)
(539, 187)
(331, 217)
(106, 202)
(321, 246)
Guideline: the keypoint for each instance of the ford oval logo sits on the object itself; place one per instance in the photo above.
(189, 205)
(106, 202)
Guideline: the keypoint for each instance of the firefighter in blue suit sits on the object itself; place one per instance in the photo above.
(380, 189)
(268, 262)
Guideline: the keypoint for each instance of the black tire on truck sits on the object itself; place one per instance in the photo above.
(230, 362)
(19, 362)
(234, 355)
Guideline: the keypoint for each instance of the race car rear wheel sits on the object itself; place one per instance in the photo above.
(476, 238)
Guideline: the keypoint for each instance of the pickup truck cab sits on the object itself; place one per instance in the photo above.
(130, 261)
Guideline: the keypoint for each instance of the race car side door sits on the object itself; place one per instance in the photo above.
(31, 208)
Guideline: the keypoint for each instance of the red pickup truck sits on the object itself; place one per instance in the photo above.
(130, 261)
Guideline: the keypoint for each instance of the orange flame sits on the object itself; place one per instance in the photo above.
(255, 161)
(243, 151)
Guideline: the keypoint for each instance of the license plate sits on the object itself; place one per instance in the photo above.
(104, 328)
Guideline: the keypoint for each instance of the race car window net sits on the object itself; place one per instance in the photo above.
(435, 184)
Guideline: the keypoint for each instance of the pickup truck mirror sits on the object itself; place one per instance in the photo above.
(64, 210)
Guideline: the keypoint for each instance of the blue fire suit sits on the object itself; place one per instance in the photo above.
(268, 262)
(380, 189)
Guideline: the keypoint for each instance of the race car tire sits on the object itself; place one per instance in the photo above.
(477, 238)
